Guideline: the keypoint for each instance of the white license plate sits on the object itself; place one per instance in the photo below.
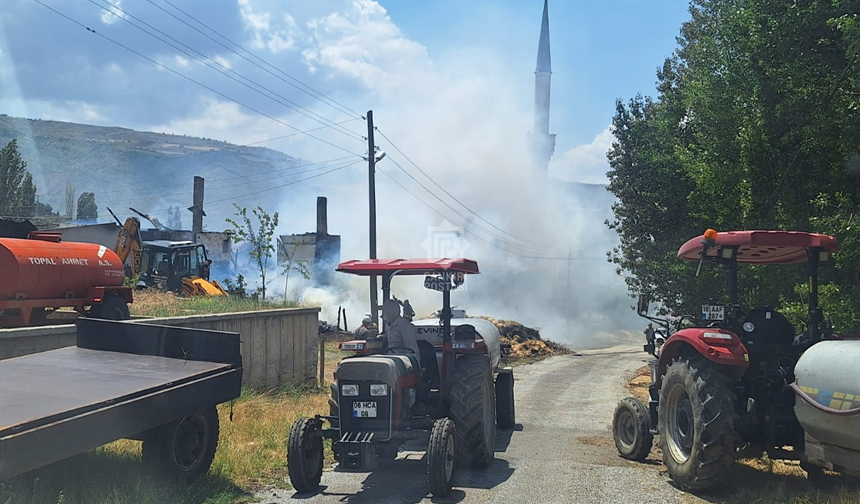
(364, 409)
(712, 312)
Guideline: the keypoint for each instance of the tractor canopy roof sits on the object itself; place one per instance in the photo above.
(369, 267)
(762, 247)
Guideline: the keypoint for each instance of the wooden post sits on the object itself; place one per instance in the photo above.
(339, 308)
(345, 328)
(371, 185)
(322, 361)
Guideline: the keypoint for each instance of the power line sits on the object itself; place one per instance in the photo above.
(523, 247)
(204, 86)
(310, 91)
(185, 193)
(483, 239)
(160, 187)
(225, 69)
(294, 134)
(234, 198)
(539, 244)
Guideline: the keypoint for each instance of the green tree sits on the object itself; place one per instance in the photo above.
(259, 238)
(755, 121)
(13, 170)
(87, 208)
(291, 262)
(26, 202)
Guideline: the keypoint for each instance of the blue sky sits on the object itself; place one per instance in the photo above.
(423, 66)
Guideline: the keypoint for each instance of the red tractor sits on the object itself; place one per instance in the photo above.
(451, 396)
(720, 382)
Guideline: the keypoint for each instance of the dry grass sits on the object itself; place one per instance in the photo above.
(153, 303)
(251, 452)
(761, 480)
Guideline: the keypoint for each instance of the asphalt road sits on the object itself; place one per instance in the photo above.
(560, 451)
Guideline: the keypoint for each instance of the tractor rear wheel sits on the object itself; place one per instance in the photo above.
(441, 457)
(696, 423)
(473, 410)
(305, 455)
(631, 429)
(505, 414)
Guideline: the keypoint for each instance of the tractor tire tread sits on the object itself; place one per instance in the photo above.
(471, 375)
(711, 395)
(301, 478)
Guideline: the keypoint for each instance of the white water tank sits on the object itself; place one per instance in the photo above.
(828, 373)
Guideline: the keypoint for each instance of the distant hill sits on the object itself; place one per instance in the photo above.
(147, 171)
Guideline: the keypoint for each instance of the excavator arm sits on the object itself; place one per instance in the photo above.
(129, 244)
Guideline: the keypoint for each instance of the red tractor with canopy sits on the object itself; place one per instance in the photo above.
(451, 395)
(720, 382)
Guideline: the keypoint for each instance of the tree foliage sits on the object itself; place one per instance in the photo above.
(17, 190)
(756, 126)
(87, 208)
(259, 238)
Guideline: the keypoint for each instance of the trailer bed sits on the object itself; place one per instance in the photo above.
(121, 380)
(48, 386)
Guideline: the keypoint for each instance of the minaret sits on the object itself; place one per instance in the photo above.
(541, 143)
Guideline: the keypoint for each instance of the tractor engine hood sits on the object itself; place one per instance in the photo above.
(376, 368)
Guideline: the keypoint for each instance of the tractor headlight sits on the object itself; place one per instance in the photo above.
(378, 389)
(749, 327)
(349, 390)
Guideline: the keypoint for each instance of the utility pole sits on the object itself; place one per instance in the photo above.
(371, 183)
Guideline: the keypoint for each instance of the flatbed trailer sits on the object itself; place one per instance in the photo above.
(153, 383)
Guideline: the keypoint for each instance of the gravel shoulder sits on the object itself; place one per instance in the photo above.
(561, 450)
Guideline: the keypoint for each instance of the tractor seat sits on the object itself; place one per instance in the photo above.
(771, 327)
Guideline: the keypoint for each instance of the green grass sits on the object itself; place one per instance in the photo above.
(152, 303)
(251, 453)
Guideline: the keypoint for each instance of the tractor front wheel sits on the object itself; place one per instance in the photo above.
(505, 413)
(441, 457)
(631, 429)
(696, 423)
(305, 455)
(473, 409)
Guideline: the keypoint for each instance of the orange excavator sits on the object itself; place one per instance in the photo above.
(177, 266)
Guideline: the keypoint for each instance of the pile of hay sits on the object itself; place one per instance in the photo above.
(526, 341)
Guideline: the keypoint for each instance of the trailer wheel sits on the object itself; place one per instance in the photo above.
(505, 413)
(441, 457)
(473, 409)
(112, 307)
(696, 423)
(183, 448)
(631, 431)
(305, 455)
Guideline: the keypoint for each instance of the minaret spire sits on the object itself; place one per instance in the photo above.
(541, 141)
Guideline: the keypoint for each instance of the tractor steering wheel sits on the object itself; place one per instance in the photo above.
(389, 349)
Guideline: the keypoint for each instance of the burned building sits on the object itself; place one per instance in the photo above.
(320, 250)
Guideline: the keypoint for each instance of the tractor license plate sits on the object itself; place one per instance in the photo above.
(712, 312)
(364, 409)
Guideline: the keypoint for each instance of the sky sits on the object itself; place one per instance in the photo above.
(365, 54)
(451, 86)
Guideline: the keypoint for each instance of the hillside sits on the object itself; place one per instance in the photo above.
(123, 167)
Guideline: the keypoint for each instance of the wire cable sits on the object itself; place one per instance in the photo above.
(310, 91)
(539, 244)
(523, 247)
(175, 72)
(518, 254)
(224, 70)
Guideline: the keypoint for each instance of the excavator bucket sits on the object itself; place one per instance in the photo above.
(196, 286)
